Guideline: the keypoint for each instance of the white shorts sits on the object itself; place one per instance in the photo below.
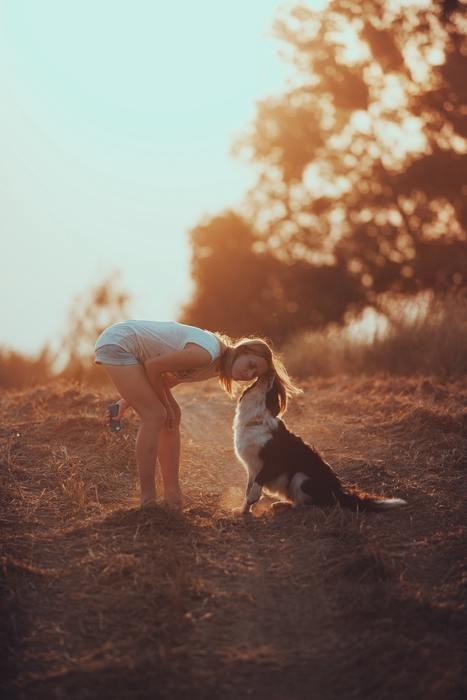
(114, 355)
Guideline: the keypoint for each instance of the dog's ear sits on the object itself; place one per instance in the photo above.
(272, 397)
(249, 388)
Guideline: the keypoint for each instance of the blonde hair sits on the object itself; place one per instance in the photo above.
(231, 349)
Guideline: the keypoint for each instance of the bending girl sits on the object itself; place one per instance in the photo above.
(145, 359)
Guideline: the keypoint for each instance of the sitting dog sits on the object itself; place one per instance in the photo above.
(281, 463)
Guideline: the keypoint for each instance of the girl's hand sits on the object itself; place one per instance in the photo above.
(122, 407)
(170, 380)
(170, 420)
(172, 408)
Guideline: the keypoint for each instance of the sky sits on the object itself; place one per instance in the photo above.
(116, 122)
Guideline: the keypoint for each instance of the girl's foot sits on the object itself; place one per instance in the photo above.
(174, 499)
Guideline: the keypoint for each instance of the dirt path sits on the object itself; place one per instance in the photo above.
(103, 600)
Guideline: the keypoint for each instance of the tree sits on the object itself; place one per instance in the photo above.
(243, 289)
(363, 160)
(233, 282)
(361, 185)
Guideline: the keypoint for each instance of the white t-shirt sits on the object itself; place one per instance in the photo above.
(147, 339)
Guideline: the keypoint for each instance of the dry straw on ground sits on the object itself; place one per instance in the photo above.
(101, 599)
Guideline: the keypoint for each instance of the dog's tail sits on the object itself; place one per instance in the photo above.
(330, 491)
(360, 501)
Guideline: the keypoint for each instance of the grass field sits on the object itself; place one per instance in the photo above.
(103, 600)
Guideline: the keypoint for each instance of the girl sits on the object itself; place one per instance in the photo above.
(145, 359)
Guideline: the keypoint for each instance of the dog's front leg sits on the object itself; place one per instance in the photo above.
(253, 494)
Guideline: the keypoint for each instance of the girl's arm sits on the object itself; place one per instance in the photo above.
(172, 409)
(191, 357)
(161, 387)
(158, 384)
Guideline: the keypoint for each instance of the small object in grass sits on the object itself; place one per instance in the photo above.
(115, 424)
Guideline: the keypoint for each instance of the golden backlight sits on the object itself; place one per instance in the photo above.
(115, 129)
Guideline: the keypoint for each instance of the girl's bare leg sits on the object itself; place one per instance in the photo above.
(169, 458)
(169, 455)
(133, 385)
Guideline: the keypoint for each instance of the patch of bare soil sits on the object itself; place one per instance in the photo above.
(101, 599)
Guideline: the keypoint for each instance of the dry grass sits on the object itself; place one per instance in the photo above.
(430, 342)
(101, 599)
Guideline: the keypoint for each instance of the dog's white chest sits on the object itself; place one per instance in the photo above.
(253, 428)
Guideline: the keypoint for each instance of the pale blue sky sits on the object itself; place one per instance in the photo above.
(116, 121)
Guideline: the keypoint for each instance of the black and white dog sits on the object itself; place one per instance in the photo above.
(281, 463)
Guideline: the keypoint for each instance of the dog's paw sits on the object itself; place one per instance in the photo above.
(281, 505)
(241, 510)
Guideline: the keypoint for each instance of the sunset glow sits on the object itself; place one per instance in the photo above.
(136, 138)
(115, 130)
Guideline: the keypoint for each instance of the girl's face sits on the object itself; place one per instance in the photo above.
(248, 366)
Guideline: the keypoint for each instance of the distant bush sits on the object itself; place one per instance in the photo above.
(102, 305)
(428, 337)
(20, 371)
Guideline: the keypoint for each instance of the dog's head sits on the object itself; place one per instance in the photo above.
(269, 388)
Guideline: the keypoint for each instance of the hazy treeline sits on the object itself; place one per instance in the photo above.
(360, 197)
(430, 340)
(102, 305)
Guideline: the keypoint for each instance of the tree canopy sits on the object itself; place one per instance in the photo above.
(362, 163)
